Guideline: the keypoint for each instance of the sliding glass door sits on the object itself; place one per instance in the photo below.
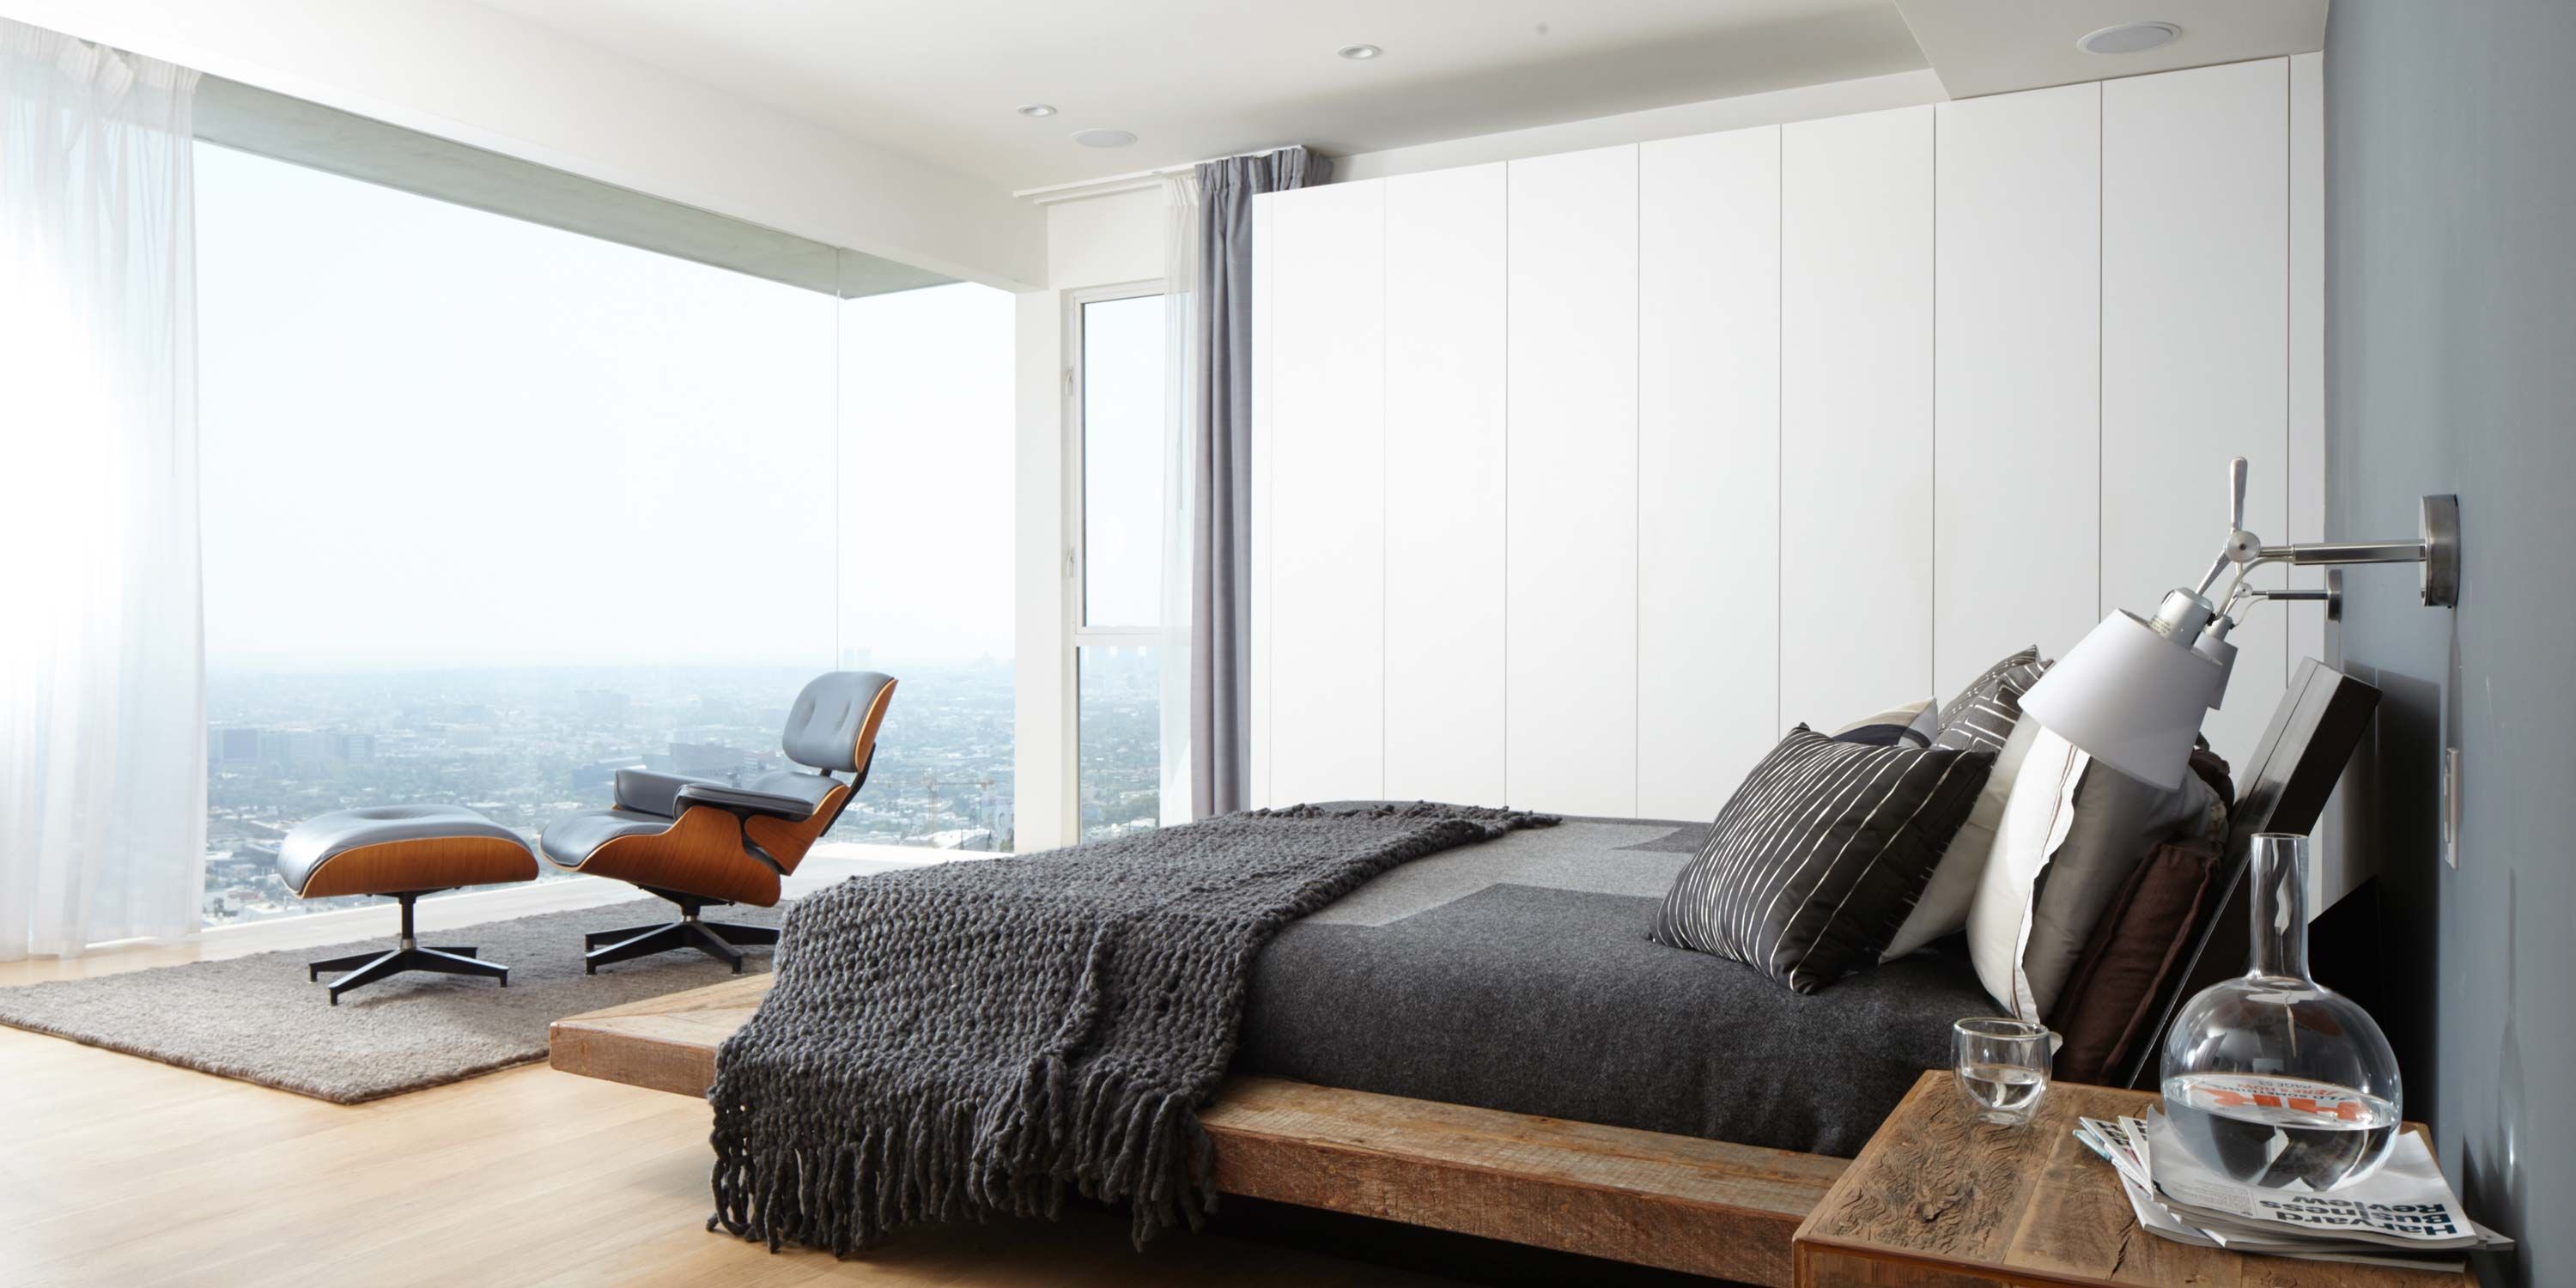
(1118, 360)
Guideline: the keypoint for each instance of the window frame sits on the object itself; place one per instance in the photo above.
(1073, 628)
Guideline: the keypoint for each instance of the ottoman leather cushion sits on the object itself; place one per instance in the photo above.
(387, 849)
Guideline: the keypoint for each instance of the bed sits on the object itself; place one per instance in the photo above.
(1516, 975)
(1484, 1041)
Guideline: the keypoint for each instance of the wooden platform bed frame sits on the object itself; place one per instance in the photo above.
(1678, 1202)
(1682, 1203)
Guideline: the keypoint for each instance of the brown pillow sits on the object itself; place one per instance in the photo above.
(2109, 999)
(2212, 769)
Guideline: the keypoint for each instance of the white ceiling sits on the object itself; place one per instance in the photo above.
(940, 79)
(1201, 78)
(1991, 46)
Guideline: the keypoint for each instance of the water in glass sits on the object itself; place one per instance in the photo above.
(2002, 1066)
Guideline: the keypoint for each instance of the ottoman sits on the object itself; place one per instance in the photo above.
(405, 851)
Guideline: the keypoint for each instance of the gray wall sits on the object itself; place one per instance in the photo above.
(2451, 367)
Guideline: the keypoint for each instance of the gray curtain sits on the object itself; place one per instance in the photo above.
(1221, 513)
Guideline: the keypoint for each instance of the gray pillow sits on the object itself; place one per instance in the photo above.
(1986, 716)
(2071, 833)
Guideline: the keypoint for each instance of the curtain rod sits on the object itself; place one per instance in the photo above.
(1129, 181)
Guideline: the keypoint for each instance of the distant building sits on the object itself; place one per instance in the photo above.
(704, 758)
(233, 746)
(294, 747)
(357, 746)
(603, 707)
(600, 773)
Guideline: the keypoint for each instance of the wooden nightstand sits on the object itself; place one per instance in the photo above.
(1939, 1200)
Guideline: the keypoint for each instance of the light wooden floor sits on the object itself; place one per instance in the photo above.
(119, 1171)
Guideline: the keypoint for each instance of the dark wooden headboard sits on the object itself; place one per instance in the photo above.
(2282, 788)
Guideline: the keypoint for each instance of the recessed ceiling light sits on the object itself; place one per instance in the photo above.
(2129, 38)
(1038, 109)
(1360, 53)
(1103, 138)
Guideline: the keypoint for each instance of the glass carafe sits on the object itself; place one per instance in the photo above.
(2272, 1078)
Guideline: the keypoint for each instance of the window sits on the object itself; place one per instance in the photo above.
(492, 509)
(1117, 519)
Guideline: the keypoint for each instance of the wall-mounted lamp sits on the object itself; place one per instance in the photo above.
(2133, 691)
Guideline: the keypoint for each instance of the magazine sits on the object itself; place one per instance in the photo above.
(2360, 1224)
(2403, 1203)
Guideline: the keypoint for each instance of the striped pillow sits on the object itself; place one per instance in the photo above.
(1982, 717)
(1815, 862)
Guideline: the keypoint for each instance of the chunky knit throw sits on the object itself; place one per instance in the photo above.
(980, 1037)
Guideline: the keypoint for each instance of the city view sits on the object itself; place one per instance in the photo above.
(579, 461)
(525, 746)
(1118, 764)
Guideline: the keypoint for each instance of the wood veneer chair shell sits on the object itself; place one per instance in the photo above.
(421, 863)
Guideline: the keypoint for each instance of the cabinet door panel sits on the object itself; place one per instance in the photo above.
(1855, 415)
(1571, 527)
(1328, 472)
(2195, 326)
(1708, 468)
(1444, 486)
(2016, 550)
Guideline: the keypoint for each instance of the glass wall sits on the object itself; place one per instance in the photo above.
(926, 484)
(493, 509)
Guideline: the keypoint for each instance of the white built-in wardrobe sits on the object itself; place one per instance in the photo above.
(1578, 479)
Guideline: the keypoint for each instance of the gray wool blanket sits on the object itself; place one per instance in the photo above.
(980, 1038)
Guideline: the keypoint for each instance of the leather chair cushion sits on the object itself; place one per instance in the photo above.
(651, 791)
(568, 842)
(823, 727)
(812, 789)
(318, 840)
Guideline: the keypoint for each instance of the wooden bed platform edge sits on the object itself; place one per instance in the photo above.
(1676, 1202)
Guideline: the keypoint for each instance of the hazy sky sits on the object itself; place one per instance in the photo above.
(1122, 482)
(433, 436)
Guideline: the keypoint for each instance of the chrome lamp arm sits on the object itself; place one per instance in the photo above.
(2436, 547)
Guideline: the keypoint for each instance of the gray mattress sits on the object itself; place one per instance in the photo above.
(1517, 975)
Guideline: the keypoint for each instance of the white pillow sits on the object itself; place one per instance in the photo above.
(2084, 828)
(1910, 725)
(1943, 909)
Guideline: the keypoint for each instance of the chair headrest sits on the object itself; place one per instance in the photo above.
(834, 722)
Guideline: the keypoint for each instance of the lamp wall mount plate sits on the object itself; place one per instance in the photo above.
(2436, 547)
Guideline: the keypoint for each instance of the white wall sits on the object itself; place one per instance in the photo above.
(1104, 240)
(1042, 657)
(2010, 343)
(481, 77)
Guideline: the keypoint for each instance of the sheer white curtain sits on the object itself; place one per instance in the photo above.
(1180, 471)
(102, 685)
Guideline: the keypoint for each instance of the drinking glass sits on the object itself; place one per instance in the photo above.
(2002, 1066)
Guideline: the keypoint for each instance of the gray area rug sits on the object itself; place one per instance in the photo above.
(261, 1020)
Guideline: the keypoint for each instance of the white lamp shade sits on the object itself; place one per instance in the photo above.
(2130, 698)
(2224, 654)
